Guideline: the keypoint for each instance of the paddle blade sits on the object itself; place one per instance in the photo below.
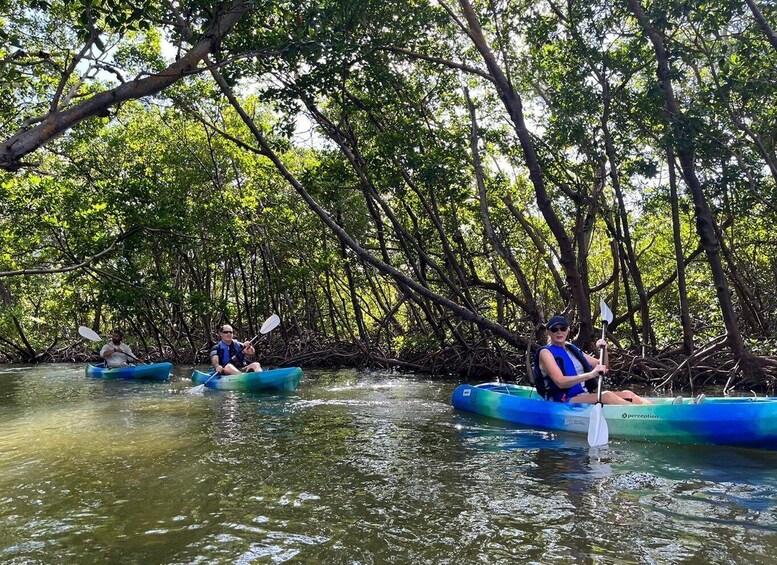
(598, 433)
(270, 324)
(196, 389)
(606, 312)
(89, 334)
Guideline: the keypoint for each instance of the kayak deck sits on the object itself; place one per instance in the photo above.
(743, 422)
(152, 371)
(285, 379)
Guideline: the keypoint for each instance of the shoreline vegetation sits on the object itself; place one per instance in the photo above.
(667, 371)
(414, 188)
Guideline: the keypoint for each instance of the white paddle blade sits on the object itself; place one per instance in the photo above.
(598, 433)
(196, 390)
(606, 312)
(89, 334)
(270, 324)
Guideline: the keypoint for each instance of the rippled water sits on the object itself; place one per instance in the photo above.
(354, 467)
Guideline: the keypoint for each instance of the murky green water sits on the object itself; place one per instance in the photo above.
(353, 468)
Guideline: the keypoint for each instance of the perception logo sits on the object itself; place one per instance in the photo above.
(627, 416)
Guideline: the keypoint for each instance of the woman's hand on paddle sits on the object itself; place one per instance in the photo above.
(249, 349)
(604, 356)
(600, 369)
(218, 369)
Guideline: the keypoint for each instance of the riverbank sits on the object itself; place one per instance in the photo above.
(669, 370)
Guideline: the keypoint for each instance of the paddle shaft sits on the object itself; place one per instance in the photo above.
(130, 355)
(209, 379)
(266, 328)
(598, 431)
(601, 362)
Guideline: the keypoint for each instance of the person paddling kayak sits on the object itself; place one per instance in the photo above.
(561, 369)
(117, 353)
(228, 356)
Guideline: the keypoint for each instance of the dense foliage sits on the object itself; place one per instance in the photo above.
(406, 183)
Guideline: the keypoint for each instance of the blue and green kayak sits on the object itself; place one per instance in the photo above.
(152, 371)
(741, 422)
(275, 379)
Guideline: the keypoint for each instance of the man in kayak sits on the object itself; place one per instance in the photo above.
(561, 369)
(117, 353)
(228, 356)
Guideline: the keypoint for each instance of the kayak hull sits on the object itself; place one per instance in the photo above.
(152, 372)
(285, 379)
(741, 422)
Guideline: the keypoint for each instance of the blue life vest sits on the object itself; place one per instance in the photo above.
(226, 353)
(550, 390)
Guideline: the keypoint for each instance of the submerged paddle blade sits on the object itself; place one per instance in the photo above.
(89, 334)
(201, 387)
(598, 433)
(270, 324)
(606, 312)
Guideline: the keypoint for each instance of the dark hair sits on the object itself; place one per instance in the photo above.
(117, 331)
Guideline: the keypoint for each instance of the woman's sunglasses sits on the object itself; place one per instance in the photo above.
(555, 329)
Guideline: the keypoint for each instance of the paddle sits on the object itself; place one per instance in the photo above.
(91, 335)
(598, 433)
(269, 324)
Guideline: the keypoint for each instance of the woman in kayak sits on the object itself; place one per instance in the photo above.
(228, 356)
(561, 370)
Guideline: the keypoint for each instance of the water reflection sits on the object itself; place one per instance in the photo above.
(356, 466)
(695, 493)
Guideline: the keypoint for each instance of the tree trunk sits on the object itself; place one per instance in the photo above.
(630, 257)
(503, 251)
(762, 23)
(15, 148)
(512, 102)
(682, 288)
(705, 223)
(406, 283)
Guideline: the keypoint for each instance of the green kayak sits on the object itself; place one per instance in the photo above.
(275, 379)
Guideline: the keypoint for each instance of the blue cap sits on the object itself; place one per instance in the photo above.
(555, 320)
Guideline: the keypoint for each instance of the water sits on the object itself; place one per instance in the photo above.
(355, 467)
